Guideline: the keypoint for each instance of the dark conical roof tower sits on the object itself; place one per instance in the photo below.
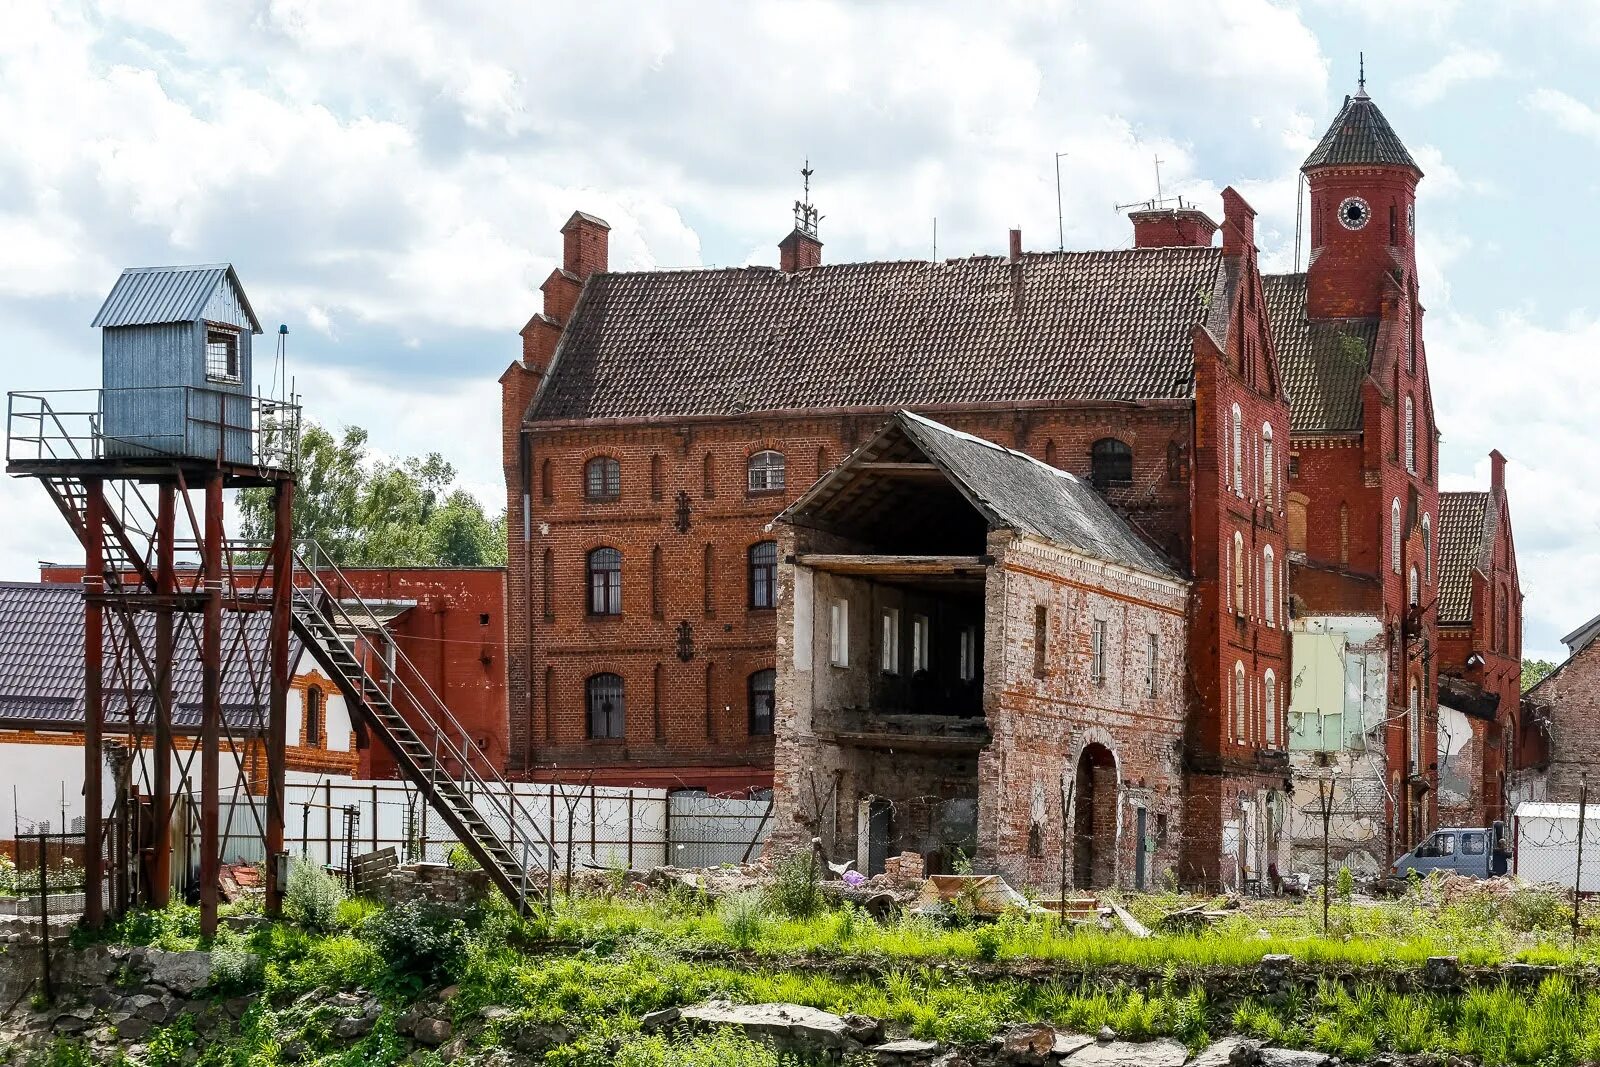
(1360, 135)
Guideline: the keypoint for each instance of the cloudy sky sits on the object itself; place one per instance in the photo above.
(389, 177)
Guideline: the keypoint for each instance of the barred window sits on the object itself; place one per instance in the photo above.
(1110, 463)
(764, 574)
(605, 582)
(222, 355)
(607, 715)
(314, 736)
(766, 471)
(762, 685)
(602, 478)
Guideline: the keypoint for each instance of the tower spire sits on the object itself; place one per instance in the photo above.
(1361, 79)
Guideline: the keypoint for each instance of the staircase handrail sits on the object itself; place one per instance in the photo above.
(441, 737)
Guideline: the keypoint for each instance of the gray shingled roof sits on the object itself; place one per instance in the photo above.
(148, 296)
(41, 664)
(1081, 325)
(1323, 363)
(1360, 134)
(1463, 519)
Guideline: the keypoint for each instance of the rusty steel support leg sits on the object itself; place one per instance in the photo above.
(211, 709)
(278, 713)
(160, 872)
(93, 705)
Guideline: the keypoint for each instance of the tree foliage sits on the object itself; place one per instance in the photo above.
(1534, 671)
(364, 511)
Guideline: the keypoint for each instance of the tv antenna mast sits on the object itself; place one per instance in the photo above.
(1061, 218)
(1160, 200)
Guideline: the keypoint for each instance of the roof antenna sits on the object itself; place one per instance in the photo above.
(1061, 218)
(1361, 80)
(805, 213)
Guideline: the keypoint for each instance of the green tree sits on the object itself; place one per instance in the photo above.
(1534, 671)
(365, 511)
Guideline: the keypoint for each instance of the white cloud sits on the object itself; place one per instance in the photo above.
(1461, 65)
(1568, 112)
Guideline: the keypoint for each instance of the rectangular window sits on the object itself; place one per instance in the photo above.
(1152, 657)
(1097, 652)
(920, 637)
(891, 641)
(969, 653)
(1472, 844)
(839, 633)
(222, 356)
(1041, 633)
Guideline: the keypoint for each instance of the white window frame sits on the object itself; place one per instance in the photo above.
(1427, 549)
(1097, 652)
(766, 471)
(1239, 594)
(1238, 451)
(1411, 436)
(921, 638)
(839, 632)
(890, 655)
(1394, 535)
(1240, 709)
(1269, 573)
(1413, 587)
(1269, 475)
(1269, 683)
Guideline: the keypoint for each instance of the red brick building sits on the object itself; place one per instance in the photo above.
(1480, 653)
(450, 623)
(659, 421)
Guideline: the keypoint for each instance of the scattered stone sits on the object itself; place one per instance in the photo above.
(132, 1028)
(908, 1052)
(352, 1027)
(1130, 1054)
(449, 993)
(1229, 1052)
(185, 973)
(408, 1020)
(1030, 1044)
(789, 1027)
(432, 1032)
(243, 923)
(1067, 1044)
(1283, 1057)
(1441, 972)
(863, 1028)
(537, 1039)
(1106, 1034)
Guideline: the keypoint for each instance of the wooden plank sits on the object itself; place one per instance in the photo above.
(841, 563)
(900, 470)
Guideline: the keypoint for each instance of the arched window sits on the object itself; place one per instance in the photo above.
(1050, 452)
(708, 476)
(1270, 689)
(766, 472)
(607, 714)
(1239, 709)
(1269, 570)
(547, 488)
(1411, 436)
(655, 477)
(314, 716)
(1394, 535)
(1297, 521)
(1413, 592)
(1414, 713)
(1110, 463)
(605, 582)
(762, 684)
(1238, 574)
(764, 574)
(1427, 549)
(602, 478)
(1269, 473)
(1238, 451)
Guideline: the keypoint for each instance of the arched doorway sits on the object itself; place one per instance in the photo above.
(1094, 819)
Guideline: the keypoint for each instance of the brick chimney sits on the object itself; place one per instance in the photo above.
(584, 245)
(1238, 224)
(1016, 247)
(1497, 473)
(799, 251)
(1172, 228)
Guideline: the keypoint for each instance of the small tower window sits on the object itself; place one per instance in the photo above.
(1110, 463)
(314, 738)
(222, 355)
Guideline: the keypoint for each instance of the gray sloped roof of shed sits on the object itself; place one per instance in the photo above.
(42, 655)
(151, 296)
(1074, 325)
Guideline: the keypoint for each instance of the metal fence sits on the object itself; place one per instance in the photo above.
(589, 826)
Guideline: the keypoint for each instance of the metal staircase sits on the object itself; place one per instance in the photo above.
(449, 769)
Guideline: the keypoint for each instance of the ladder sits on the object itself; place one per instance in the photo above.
(449, 769)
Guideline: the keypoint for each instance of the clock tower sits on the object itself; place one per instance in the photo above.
(1363, 214)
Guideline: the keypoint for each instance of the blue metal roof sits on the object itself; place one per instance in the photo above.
(149, 296)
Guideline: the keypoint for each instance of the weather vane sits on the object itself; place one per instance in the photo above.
(805, 213)
(1361, 79)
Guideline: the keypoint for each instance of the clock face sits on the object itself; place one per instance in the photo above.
(1411, 218)
(1354, 213)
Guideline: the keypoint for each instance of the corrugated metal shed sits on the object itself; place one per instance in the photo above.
(149, 296)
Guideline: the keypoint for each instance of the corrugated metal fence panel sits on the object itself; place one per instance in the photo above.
(707, 831)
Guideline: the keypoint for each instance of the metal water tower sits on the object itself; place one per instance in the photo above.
(176, 363)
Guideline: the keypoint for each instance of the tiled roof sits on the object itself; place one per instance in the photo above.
(1324, 363)
(41, 664)
(1462, 521)
(1082, 325)
(154, 295)
(1360, 134)
(1024, 494)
